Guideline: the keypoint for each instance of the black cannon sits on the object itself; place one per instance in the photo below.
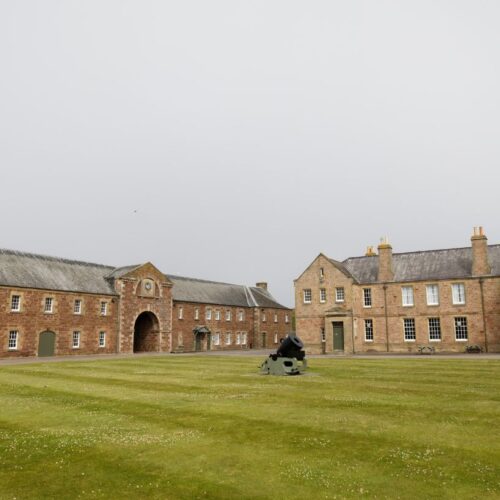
(287, 358)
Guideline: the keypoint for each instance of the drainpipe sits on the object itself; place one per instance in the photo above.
(386, 319)
(481, 284)
(352, 333)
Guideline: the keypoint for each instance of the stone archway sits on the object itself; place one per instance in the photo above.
(146, 332)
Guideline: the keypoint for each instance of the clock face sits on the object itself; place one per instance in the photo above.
(148, 286)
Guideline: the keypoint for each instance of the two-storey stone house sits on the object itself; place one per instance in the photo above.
(387, 302)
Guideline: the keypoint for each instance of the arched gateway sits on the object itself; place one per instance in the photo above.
(146, 333)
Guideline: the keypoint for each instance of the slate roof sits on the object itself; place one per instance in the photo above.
(27, 270)
(453, 263)
(217, 293)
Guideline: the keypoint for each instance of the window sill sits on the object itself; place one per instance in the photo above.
(339, 301)
(367, 340)
(414, 340)
(458, 303)
(434, 340)
(433, 305)
(13, 349)
(408, 305)
(461, 340)
(16, 311)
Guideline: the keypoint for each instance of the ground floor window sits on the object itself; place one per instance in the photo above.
(368, 330)
(323, 335)
(244, 338)
(409, 329)
(461, 328)
(217, 338)
(238, 338)
(76, 340)
(275, 338)
(228, 339)
(434, 329)
(102, 339)
(13, 339)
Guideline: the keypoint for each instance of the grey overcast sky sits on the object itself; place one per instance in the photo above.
(235, 140)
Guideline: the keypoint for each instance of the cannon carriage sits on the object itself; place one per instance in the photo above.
(289, 359)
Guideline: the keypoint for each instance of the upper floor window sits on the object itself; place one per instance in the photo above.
(208, 314)
(409, 329)
(369, 330)
(339, 294)
(15, 303)
(104, 308)
(76, 340)
(275, 317)
(458, 293)
(13, 339)
(181, 312)
(102, 339)
(77, 307)
(321, 273)
(240, 315)
(49, 305)
(434, 329)
(407, 293)
(228, 315)
(432, 292)
(264, 317)
(287, 320)
(461, 329)
(217, 315)
(196, 314)
(307, 296)
(367, 297)
(322, 295)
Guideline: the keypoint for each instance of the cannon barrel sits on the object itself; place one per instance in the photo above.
(291, 347)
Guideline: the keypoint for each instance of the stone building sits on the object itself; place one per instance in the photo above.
(386, 302)
(52, 306)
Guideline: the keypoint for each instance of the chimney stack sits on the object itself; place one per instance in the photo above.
(385, 271)
(480, 261)
(261, 284)
(370, 252)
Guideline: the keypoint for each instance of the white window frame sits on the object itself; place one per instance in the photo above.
(307, 294)
(339, 294)
(102, 339)
(434, 325)
(368, 330)
(367, 297)
(238, 338)
(275, 337)
(196, 314)
(241, 315)
(48, 306)
(104, 308)
(287, 320)
(217, 315)
(13, 340)
(15, 303)
(409, 330)
(322, 295)
(407, 296)
(321, 273)
(264, 317)
(228, 338)
(77, 306)
(464, 329)
(243, 338)
(432, 298)
(228, 315)
(208, 314)
(180, 314)
(76, 339)
(275, 317)
(458, 294)
(216, 338)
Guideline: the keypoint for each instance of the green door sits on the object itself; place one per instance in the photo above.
(338, 336)
(198, 342)
(46, 344)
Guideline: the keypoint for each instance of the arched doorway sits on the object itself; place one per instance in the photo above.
(146, 333)
(46, 344)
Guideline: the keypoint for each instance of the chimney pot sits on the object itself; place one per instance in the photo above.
(480, 258)
(261, 284)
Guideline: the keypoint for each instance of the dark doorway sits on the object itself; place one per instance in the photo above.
(338, 336)
(46, 344)
(197, 342)
(146, 333)
(209, 341)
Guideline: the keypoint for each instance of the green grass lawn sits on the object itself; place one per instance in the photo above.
(210, 427)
